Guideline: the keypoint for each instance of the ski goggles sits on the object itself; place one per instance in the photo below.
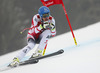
(45, 15)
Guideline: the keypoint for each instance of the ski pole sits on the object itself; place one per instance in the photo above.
(44, 49)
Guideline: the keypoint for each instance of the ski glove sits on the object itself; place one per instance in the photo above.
(47, 25)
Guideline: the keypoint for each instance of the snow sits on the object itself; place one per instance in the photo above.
(84, 58)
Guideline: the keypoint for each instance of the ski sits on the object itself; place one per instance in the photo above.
(33, 60)
(5, 68)
(49, 55)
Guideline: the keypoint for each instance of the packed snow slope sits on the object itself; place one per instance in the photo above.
(84, 58)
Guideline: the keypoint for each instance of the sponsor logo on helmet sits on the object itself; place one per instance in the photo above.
(46, 10)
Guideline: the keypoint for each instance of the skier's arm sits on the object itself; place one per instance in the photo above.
(53, 29)
(51, 26)
(35, 23)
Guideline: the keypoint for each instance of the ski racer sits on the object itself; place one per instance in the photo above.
(42, 28)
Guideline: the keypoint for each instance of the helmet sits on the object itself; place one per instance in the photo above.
(44, 11)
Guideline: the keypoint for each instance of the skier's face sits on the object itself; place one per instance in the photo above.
(46, 19)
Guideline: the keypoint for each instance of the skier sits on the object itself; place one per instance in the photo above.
(42, 28)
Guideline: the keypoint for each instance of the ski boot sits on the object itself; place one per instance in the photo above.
(38, 53)
(15, 63)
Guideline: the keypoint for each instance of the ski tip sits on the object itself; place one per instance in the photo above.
(61, 51)
(37, 60)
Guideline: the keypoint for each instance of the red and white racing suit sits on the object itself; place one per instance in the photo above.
(37, 32)
(36, 29)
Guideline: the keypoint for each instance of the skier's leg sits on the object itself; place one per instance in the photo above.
(43, 41)
(44, 37)
(26, 49)
(22, 53)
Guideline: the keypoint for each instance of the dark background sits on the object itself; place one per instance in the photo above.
(15, 15)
